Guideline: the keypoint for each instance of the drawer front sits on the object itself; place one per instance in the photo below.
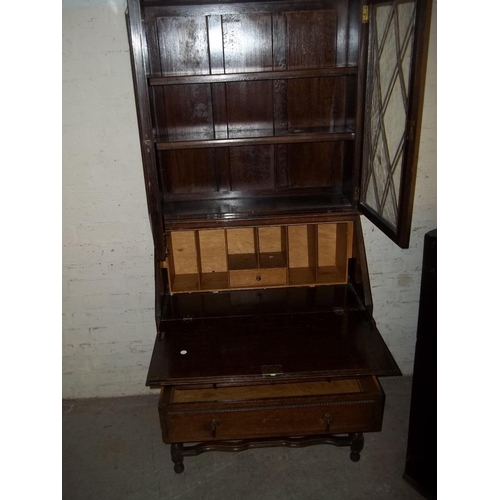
(283, 420)
(244, 278)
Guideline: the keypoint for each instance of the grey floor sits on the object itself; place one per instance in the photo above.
(112, 449)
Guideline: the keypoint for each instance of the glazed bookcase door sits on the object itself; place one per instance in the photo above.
(395, 79)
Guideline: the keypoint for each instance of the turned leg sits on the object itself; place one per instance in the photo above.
(177, 457)
(357, 442)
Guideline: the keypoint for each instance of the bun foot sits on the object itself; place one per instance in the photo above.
(176, 451)
(357, 443)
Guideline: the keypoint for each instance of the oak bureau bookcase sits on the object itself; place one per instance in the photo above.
(266, 129)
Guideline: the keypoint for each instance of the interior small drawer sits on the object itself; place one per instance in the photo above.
(291, 409)
(244, 278)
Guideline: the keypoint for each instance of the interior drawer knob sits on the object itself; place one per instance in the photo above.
(328, 420)
(213, 427)
(258, 278)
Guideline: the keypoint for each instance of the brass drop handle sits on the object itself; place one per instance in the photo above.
(213, 426)
(328, 419)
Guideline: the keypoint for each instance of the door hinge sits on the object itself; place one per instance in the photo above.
(164, 264)
(356, 193)
(366, 13)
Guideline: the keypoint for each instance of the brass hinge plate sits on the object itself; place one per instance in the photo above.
(272, 370)
(164, 264)
(366, 13)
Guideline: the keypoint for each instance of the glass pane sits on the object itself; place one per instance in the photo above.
(389, 58)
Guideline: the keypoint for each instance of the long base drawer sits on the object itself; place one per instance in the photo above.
(280, 409)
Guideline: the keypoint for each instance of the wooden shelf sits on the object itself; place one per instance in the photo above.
(251, 208)
(255, 137)
(251, 76)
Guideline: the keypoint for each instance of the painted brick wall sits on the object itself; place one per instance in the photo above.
(108, 323)
(108, 315)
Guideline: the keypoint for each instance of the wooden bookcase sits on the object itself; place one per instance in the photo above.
(267, 128)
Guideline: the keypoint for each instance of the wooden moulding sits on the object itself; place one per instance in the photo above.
(259, 257)
(252, 76)
(238, 393)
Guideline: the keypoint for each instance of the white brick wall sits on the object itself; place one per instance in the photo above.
(108, 299)
(108, 305)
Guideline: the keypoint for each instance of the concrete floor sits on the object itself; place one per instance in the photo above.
(112, 449)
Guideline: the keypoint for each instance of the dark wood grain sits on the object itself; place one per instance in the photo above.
(348, 168)
(260, 193)
(343, 29)
(179, 178)
(161, 289)
(239, 208)
(311, 48)
(215, 47)
(284, 418)
(281, 166)
(353, 32)
(340, 133)
(310, 164)
(252, 168)
(179, 451)
(249, 109)
(280, 45)
(255, 76)
(338, 161)
(219, 107)
(295, 209)
(137, 42)
(223, 170)
(261, 302)
(183, 45)
(241, 56)
(250, 444)
(308, 414)
(310, 104)
(189, 111)
(223, 7)
(353, 188)
(235, 349)
(153, 51)
(358, 269)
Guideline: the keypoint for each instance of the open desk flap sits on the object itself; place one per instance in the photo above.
(242, 348)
